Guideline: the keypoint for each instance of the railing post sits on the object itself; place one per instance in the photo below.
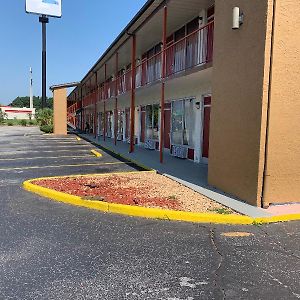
(132, 104)
(163, 76)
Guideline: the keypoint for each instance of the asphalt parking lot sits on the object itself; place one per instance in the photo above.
(50, 250)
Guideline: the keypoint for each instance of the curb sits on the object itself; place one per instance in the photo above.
(96, 153)
(150, 213)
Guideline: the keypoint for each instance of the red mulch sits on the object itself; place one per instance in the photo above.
(108, 189)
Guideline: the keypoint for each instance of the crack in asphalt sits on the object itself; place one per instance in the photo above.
(221, 259)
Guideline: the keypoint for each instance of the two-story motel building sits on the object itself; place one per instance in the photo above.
(179, 79)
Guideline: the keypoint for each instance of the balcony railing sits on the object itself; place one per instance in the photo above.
(195, 49)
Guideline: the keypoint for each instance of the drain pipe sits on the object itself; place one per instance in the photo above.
(264, 204)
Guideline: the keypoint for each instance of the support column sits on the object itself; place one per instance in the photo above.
(163, 75)
(116, 99)
(95, 103)
(60, 111)
(104, 104)
(82, 111)
(132, 104)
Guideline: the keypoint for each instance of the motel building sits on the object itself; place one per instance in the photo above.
(17, 113)
(214, 82)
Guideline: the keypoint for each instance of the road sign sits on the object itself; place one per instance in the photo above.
(50, 8)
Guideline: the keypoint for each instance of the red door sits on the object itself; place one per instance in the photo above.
(167, 129)
(206, 124)
(143, 125)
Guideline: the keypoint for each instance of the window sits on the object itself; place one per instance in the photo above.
(181, 119)
(109, 120)
(120, 125)
(152, 112)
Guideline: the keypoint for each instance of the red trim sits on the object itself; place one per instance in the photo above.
(19, 111)
(191, 153)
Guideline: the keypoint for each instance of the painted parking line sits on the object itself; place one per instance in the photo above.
(41, 151)
(43, 145)
(46, 157)
(67, 166)
(44, 142)
(53, 146)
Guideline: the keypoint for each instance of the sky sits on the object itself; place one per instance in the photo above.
(74, 42)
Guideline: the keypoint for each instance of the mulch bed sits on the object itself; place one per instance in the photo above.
(146, 189)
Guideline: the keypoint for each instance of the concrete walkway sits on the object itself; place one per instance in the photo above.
(184, 171)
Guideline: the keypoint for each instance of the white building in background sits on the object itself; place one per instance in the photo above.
(18, 113)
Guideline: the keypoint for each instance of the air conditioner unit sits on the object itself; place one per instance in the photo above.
(179, 151)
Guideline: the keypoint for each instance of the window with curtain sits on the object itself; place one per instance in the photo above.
(152, 113)
(181, 117)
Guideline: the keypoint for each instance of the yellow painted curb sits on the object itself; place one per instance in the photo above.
(96, 153)
(277, 219)
(144, 212)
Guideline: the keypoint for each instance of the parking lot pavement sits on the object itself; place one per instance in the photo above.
(32, 156)
(50, 250)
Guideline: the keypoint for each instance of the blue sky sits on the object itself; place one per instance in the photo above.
(74, 42)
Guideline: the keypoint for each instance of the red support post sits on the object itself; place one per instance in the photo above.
(104, 104)
(163, 75)
(132, 103)
(116, 99)
(95, 112)
(82, 122)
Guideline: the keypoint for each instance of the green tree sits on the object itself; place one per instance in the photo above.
(37, 102)
(3, 117)
(44, 116)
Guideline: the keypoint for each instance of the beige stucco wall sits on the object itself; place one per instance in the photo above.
(239, 98)
(60, 111)
(283, 152)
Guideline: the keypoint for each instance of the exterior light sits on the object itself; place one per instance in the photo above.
(237, 18)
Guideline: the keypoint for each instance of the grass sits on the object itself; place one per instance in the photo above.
(15, 122)
(221, 211)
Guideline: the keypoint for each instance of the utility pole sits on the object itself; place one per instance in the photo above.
(31, 90)
(44, 20)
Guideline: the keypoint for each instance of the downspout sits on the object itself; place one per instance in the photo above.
(263, 202)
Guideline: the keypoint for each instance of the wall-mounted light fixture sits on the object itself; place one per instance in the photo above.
(237, 18)
(197, 104)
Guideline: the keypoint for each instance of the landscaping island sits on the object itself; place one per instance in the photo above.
(145, 189)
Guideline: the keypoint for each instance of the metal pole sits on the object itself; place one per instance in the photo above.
(163, 75)
(30, 90)
(132, 104)
(44, 20)
(104, 103)
(116, 99)
(95, 113)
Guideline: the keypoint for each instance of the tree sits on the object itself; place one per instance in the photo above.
(37, 102)
(44, 116)
(3, 116)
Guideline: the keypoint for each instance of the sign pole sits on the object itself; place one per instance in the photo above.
(44, 20)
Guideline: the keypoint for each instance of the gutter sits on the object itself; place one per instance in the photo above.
(264, 204)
